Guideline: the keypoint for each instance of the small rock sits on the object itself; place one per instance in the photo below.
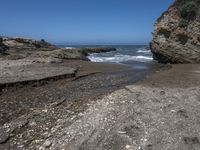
(162, 93)
(40, 148)
(47, 143)
(32, 123)
(121, 132)
(128, 146)
(45, 110)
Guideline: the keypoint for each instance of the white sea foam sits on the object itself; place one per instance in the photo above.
(144, 51)
(120, 58)
(69, 47)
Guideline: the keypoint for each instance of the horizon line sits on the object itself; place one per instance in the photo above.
(57, 43)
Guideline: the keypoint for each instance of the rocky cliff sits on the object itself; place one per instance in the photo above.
(176, 38)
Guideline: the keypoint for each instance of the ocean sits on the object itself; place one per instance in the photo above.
(123, 54)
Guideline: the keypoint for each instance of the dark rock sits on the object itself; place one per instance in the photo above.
(97, 49)
(3, 47)
(162, 92)
(6, 131)
(176, 35)
(4, 136)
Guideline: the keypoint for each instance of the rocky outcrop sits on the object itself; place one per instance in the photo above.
(98, 49)
(3, 48)
(27, 43)
(176, 38)
(65, 54)
(20, 48)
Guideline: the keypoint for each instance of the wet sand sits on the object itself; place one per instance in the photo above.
(91, 80)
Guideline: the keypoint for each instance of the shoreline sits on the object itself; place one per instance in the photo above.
(90, 79)
(57, 101)
(72, 104)
(20, 72)
(26, 71)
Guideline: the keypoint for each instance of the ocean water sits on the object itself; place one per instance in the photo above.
(123, 54)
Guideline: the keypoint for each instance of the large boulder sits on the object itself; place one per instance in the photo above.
(176, 38)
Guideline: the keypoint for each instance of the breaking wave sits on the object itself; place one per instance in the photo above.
(69, 47)
(120, 58)
(143, 51)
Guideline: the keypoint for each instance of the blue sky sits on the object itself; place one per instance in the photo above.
(82, 21)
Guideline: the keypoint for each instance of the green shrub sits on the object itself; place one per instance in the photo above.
(189, 9)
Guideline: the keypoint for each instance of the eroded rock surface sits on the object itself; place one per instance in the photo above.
(20, 48)
(176, 38)
(25, 70)
(26, 43)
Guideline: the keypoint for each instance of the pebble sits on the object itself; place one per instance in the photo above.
(40, 148)
(45, 110)
(47, 143)
(162, 93)
(121, 132)
(128, 146)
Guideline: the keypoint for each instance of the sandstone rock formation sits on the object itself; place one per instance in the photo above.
(20, 48)
(176, 38)
(65, 54)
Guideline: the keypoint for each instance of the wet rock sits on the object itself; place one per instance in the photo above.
(98, 49)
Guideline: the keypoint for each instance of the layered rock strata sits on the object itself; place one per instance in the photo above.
(176, 38)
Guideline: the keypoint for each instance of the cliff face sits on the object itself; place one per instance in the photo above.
(176, 38)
